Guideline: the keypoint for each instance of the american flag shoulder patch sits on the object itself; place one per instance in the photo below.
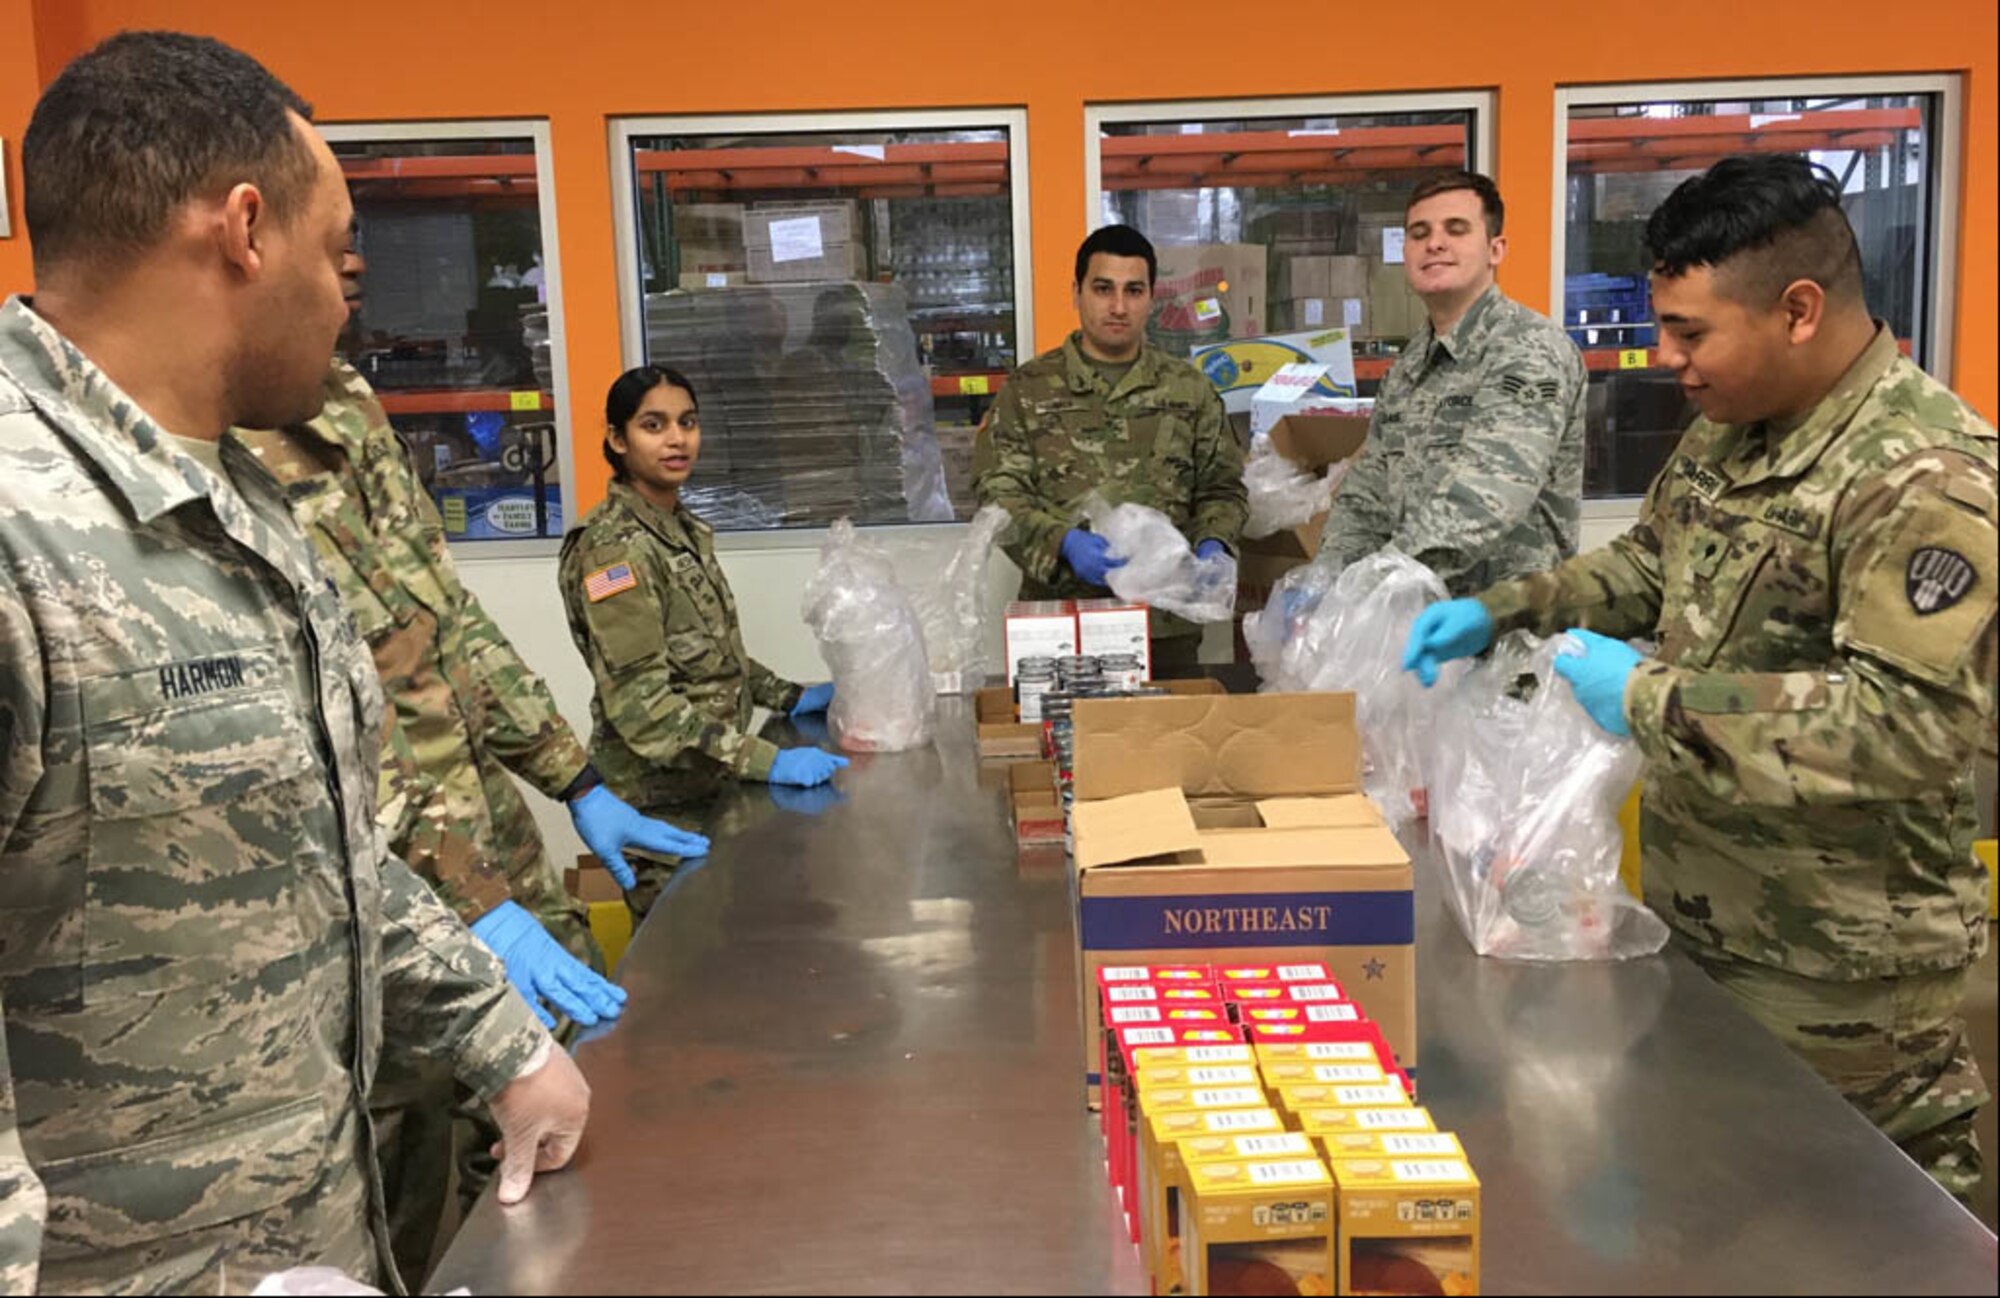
(606, 582)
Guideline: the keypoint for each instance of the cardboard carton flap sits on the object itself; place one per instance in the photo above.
(1233, 745)
(1342, 811)
(1283, 848)
(1314, 441)
(1115, 830)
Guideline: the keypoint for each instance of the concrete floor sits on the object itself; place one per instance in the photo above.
(1982, 1016)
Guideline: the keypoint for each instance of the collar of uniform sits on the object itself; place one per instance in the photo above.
(347, 410)
(134, 453)
(677, 527)
(1790, 447)
(1471, 328)
(1083, 376)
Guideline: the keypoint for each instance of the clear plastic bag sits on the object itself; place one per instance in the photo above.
(951, 605)
(871, 638)
(1160, 568)
(1525, 791)
(1281, 493)
(1322, 631)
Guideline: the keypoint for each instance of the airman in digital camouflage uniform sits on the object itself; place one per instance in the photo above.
(1474, 459)
(652, 614)
(465, 711)
(1817, 563)
(205, 952)
(1107, 412)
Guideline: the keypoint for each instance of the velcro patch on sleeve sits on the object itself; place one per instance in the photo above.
(1927, 594)
(608, 581)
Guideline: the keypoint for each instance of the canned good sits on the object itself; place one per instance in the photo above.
(1031, 684)
(1124, 670)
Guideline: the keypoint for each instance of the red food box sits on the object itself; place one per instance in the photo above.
(1120, 1112)
(1283, 973)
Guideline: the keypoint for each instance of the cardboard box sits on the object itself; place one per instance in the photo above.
(1000, 733)
(1127, 1044)
(1162, 1130)
(1281, 1074)
(790, 243)
(1394, 309)
(1035, 802)
(1240, 367)
(588, 881)
(1407, 1225)
(1113, 626)
(710, 238)
(1309, 972)
(702, 281)
(1297, 1098)
(1387, 1144)
(1163, 1100)
(1273, 995)
(1293, 1022)
(1039, 629)
(1160, 1187)
(1174, 859)
(1323, 276)
(1263, 1226)
(1159, 1078)
(1208, 291)
(1324, 1043)
(1314, 438)
(1307, 313)
(1396, 1117)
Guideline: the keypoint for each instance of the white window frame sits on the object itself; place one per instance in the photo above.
(1479, 103)
(631, 297)
(1941, 258)
(536, 130)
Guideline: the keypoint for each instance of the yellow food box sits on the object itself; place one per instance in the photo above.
(1144, 1057)
(1258, 1227)
(1326, 1122)
(1176, 1099)
(1299, 1096)
(1386, 1144)
(1407, 1225)
(1317, 1052)
(1170, 1076)
(1281, 1073)
(1162, 1177)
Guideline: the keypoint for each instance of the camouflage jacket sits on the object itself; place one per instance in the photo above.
(1059, 430)
(466, 709)
(203, 942)
(652, 614)
(1823, 596)
(1474, 459)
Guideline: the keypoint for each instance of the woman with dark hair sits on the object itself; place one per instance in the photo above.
(653, 615)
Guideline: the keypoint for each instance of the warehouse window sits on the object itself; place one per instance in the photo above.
(846, 293)
(1281, 217)
(1629, 146)
(459, 330)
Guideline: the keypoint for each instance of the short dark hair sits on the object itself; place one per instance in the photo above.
(141, 124)
(1117, 241)
(1446, 182)
(627, 394)
(1771, 219)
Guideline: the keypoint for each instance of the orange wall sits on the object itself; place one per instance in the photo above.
(578, 64)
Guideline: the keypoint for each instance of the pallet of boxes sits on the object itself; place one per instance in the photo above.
(1245, 931)
(1059, 651)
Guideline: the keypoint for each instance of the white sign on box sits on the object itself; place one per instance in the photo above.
(796, 239)
(1392, 244)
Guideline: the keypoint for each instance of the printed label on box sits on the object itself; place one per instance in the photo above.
(1218, 1054)
(1337, 1050)
(1292, 1142)
(1323, 992)
(1135, 1014)
(1229, 1097)
(1303, 973)
(1132, 993)
(1426, 1144)
(1332, 1013)
(1438, 1169)
(1130, 973)
(1243, 1120)
(796, 239)
(1286, 1173)
(1390, 1119)
(1347, 1073)
(1392, 244)
(1221, 1076)
(1147, 1036)
(1363, 1097)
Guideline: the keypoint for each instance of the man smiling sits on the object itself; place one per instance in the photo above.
(1474, 461)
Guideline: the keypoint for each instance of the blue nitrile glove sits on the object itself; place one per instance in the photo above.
(817, 698)
(1210, 548)
(543, 972)
(1598, 676)
(608, 825)
(805, 767)
(1088, 555)
(1448, 629)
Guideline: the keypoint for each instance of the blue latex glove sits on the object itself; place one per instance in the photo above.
(608, 825)
(1210, 548)
(543, 972)
(817, 698)
(1598, 676)
(1089, 555)
(805, 767)
(1448, 629)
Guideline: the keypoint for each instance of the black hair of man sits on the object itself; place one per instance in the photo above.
(1761, 221)
(1446, 182)
(142, 124)
(1117, 241)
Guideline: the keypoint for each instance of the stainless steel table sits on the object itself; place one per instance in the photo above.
(850, 1064)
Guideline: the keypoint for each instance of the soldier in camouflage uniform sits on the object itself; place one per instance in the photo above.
(1818, 564)
(205, 950)
(652, 614)
(1474, 459)
(1106, 412)
(464, 712)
